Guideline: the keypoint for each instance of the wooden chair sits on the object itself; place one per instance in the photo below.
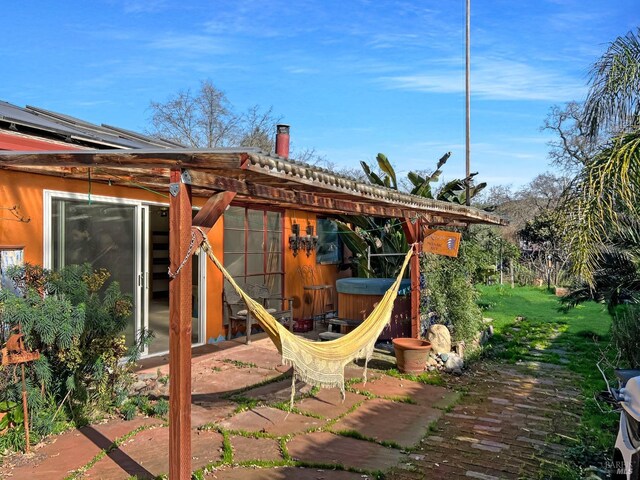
(237, 309)
(261, 294)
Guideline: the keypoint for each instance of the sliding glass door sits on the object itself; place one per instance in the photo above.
(102, 234)
(131, 240)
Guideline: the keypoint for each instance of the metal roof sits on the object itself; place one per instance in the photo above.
(40, 122)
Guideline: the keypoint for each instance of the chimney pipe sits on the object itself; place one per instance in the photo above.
(282, 140)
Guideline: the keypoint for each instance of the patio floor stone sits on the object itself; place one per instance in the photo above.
(327, 448)
(248, 448)
(70, 450)
(271, 420)
(204, 411)
(145, 455)
(385, 420)
(284, 473)
(230, 381)
(277, 391)
(421, 393)
(328, 403)
(260, 352)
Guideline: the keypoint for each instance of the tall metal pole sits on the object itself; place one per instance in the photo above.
(468, 99)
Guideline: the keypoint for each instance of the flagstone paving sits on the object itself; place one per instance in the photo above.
(65, 453)
(284, 473)
(146, 455)
(402, 424)
(272, 421)
(505, 426)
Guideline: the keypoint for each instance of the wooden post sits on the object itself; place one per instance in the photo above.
(180, 329)
(25, 412)
(412, 232)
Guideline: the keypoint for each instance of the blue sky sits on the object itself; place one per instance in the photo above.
(352, 77)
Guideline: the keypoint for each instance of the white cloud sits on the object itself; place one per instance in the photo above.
(494, 79)
(144, 6)
(189, 43)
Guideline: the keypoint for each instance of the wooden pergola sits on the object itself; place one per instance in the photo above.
(221, 176)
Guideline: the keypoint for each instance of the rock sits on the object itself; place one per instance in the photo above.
(431, 362)
(458, 348)
(454, 364)
(490, 330)
(440, 338)
(431, 368)
(487, 320)
(139, 385)
(444, 356)
(147, 376)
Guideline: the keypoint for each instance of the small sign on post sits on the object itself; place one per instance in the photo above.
(441, 242)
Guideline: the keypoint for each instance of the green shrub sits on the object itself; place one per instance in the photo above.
(449, 296)
(625, 334)
(161, 408)
(129, 410)
(76, 319)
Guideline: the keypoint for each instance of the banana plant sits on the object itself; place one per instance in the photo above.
(422, 185)
(455, 191)
(363, 235)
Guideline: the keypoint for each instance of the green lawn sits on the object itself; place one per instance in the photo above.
(575, 339)
(540, 306)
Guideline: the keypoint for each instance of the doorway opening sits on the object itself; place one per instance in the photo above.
(157, 284)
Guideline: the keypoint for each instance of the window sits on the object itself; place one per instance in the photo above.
(329, 249)
(253, 247)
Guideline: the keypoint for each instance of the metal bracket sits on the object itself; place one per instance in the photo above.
(174, 188)
(185, 176)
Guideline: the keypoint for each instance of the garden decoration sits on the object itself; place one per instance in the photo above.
(14, 353)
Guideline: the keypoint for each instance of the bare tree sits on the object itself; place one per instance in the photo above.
(573, 147)
(257, 128)
(206, 119)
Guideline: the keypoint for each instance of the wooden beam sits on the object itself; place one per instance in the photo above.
(130, 159)
(412, 232)
(208, 215)
(180, 329)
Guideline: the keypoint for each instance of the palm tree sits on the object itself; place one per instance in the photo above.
(613, 103)
(609, 185)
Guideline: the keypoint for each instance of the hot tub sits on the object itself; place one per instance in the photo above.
(357, 298)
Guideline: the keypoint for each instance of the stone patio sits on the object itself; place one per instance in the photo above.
(241, 393)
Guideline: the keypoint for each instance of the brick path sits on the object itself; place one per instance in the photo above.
(509, 425)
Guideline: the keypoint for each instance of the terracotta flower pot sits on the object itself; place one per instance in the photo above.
(411, 354)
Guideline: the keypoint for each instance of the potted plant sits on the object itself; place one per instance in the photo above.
(411, 354)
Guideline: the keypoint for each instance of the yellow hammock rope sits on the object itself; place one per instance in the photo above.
(320, 363)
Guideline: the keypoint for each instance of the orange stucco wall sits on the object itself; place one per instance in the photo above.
(324, 274)
(26, 191)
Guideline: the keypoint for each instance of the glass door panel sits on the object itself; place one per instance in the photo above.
(102, 234)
